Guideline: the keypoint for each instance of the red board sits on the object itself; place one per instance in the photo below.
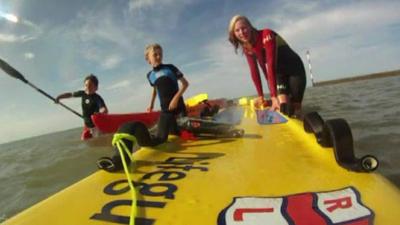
(109, 123)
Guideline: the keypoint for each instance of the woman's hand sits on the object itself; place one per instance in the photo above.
(259, 102)
(275, 104)
(277, 101)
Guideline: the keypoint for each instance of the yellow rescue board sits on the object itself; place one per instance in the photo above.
(197, 99)
(272, 175)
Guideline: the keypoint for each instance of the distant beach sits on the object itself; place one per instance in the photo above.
(360, 77)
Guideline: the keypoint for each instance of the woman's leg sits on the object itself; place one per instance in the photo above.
(297, 86)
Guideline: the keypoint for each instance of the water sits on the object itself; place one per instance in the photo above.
(33, 169)
(372, 109)
(36, 168)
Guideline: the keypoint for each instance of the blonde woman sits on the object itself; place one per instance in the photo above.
(281, 66)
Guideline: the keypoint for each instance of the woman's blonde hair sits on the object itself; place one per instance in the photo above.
(231, 30)
(151, 47)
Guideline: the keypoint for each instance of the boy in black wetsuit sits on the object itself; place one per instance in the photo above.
(91, 103)
(164, 80)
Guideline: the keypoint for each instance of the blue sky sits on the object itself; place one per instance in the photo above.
(57, 42)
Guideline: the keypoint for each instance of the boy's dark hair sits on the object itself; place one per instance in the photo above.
(93, 79)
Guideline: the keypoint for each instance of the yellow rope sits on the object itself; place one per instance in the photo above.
(119, 143)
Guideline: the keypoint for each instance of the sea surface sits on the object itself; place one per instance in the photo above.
(33, 169)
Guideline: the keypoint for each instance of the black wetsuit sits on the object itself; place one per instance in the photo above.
(90, 104)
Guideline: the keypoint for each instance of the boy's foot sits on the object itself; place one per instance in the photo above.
(106, 163)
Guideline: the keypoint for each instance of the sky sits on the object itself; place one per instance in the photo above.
(56, 43)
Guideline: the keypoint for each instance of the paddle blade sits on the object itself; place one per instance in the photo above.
(11, 71)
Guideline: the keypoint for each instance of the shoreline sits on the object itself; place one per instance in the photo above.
(391, 73)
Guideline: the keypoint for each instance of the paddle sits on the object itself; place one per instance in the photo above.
(14, 73)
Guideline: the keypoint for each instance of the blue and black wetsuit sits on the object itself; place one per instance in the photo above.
(165, 79)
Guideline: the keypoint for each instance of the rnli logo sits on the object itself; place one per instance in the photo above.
(281, 87)
(335, 207)
(87, 101)
(267, 38)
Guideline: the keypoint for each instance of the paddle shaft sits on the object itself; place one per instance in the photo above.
(52, 98)
(7, 68)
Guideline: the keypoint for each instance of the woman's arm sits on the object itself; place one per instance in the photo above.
(255, 74)
(269, 44)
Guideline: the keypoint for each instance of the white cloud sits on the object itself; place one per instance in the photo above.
(197, 63)
(343, 20)
(138, 5)
(22, 31)
(105, 38)
(103, 27)
(15, 38)
(29, 55)
(158, 16)
(33, 29)
(112, 61)
(338, 34)
(120, 84)
(8, 38)
(226, 74)
(10, 17)
(130, 97)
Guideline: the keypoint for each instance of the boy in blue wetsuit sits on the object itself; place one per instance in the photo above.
(91, 103)
(164, 79)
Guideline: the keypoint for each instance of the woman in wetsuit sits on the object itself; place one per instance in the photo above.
(281, 66)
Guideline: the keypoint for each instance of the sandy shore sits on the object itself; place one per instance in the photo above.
(362, 77)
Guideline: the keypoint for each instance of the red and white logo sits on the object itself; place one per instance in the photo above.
(267, 38)
(323, 208)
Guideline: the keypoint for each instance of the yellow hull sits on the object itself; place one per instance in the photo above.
(193, 182)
